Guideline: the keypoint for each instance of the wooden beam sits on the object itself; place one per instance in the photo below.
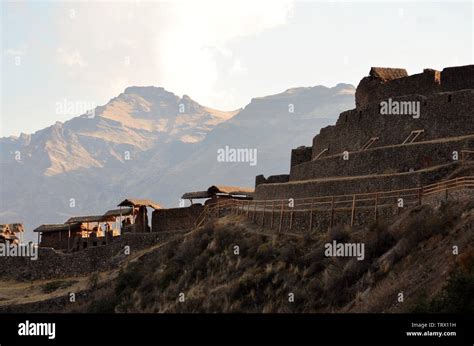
(273, 208)
(353, 209)
(331, 221)
(281, 216)
(376, 205)
(291, 216)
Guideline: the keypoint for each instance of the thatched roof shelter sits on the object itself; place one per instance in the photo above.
(118, 212)
(59, 227)
(225, 190)
(388, 73)
(8, 232)
(196, 195)
(133, 202)
(88, 218)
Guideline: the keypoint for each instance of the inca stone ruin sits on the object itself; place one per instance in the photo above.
(367, 151)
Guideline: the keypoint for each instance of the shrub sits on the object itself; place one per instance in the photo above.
(264, 252)
(458, 294)
(339, 233)
(104, 305)
(55, 285)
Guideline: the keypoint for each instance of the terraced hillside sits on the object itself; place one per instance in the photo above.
(202, 272)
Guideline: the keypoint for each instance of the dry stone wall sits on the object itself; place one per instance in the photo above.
(56, 264)
(353, 185)
(441, 115)
(394, 159)
(165, 220)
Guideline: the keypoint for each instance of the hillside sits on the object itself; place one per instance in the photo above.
(140, 144)
(412, 255)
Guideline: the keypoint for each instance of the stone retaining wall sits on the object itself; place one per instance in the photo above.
(165, 220)
(56, 264)
(353, 185)
(442, 115)
(395, 159)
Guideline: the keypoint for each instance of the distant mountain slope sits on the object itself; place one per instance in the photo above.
(148, 142)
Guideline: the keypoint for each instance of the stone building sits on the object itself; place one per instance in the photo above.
(173, 219)
(139, 214)
(12, 233)
(219, 192)
(58, 236)
(80, 232)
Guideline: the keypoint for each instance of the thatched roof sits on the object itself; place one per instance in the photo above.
(57, 227)
(196, 195)
(12, 227)
(118, 212)
(231, 190)
(388, 73)
(87, 218)
(133, 202)
(219, 189)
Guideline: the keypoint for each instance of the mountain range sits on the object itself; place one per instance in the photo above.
(150, 143)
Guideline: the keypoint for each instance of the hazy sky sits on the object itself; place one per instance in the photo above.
(220, 53)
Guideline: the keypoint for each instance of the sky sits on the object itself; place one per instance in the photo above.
(60, 58)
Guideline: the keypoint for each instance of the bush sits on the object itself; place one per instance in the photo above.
(458, 295)
(128, 279)
(105, 305)
(55, 285)
(339, 233)
(265, 252)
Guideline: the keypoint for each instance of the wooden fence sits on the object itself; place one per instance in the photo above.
(374, 202)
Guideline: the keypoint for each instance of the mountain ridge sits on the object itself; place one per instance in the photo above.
(143, 145)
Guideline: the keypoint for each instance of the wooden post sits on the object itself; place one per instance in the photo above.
(376, 205)
(248, 209)
(311, 216)
(254, 212)
(120, 222)
(273, 208)
(291, 216)
(263, 214)
(398, 208)
(69, 237)
(332, 212)
(420, 195)
(281, 216)
(353, 209)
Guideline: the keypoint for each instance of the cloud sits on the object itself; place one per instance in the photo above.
(201, 30)
(179, 45)
(70, 57)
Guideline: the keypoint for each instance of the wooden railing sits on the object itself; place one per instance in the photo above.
(467, 155)
(215, 210)
(372, 201)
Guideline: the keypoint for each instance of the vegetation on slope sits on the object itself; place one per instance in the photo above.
(412, 255)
